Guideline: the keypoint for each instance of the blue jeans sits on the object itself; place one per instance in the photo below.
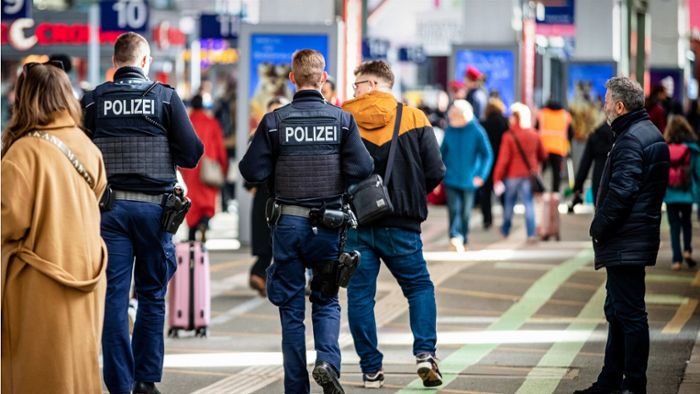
(402, 252)
(459, 205)
(518, 188)
(294, 246)
(132, 229)
(679, 216)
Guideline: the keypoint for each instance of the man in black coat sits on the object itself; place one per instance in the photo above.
(625, 233)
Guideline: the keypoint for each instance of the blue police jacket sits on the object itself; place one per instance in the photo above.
(308, 152)
(143, 131)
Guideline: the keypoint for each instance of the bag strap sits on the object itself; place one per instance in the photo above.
(392, 147)
(522, 153)
(67, 152)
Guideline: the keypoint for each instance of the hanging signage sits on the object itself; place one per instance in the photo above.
(413, 54)
(124, 15)
(556, 18)
(215, 26)
(375, 49)
(15, 9)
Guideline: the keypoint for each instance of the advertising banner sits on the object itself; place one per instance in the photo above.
(669, 78)
(586, 81)
(500, 66)
(270, 64)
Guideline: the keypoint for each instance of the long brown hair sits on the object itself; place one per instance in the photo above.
(679, 131)
(41, 93)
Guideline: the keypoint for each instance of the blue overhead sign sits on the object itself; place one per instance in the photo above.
(556, 12)
(16, 9)
(217, 26)
(124, 15)
(375, 49)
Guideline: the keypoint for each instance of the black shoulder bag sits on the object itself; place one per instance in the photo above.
(370, 198)
(536, 181)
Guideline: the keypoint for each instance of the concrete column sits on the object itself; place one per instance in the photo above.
(669, 33)
(598, 30)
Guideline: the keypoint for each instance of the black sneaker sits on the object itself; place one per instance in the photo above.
(597, 389)
(373, 380)
(427, 369)
(145, 388)
(327, 378)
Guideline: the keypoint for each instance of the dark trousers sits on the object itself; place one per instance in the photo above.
(132, 230)
(679, 216)
(627, 349)
(260, 266)
(485, 202)
(554, 163)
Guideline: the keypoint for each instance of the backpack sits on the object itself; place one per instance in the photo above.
(679, 173)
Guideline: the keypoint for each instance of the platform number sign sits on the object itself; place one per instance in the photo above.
(15, 9)
(124, 15)
(223, 26)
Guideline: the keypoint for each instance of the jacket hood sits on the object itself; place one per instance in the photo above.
(372, 111)
(693, 146)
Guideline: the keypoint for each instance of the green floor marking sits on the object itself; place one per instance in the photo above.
(560, 356)
(669, 278)
(536, 296)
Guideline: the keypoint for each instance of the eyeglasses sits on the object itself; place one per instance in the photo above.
(30, 65)
(357, 84)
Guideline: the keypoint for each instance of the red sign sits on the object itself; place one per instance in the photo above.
(166, 36)
(20, 36)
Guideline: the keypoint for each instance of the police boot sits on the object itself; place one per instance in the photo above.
(326, 377)
(145, 388)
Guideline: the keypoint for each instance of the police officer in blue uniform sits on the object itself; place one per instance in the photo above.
(308, 152)
(143, 131)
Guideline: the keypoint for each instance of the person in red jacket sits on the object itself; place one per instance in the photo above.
(203, 196)
(511, 173)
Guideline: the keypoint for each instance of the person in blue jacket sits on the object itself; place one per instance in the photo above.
(468, 158)
(682, 190)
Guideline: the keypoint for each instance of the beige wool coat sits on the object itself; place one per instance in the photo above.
(53, 265)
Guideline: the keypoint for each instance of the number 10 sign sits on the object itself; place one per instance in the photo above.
(15, 9)
(124, 15)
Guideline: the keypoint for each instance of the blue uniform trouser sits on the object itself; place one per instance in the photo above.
(402, 252)
(132, 230)
(294, 243)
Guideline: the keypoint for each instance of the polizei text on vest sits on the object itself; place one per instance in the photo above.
(305, 134)
(137, 106)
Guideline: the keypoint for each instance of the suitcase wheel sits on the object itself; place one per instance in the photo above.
(201, 332)
(173, 333)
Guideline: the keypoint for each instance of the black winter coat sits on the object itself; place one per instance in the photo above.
(626, 225)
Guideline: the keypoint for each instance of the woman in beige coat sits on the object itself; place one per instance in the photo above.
(53, 259)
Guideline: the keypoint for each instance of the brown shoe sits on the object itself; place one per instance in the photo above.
(676, 266)
(257, 282)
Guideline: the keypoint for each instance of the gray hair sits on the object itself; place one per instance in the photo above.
(627, 91)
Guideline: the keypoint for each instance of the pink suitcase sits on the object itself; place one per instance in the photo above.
(189, 303)
(549, 226)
